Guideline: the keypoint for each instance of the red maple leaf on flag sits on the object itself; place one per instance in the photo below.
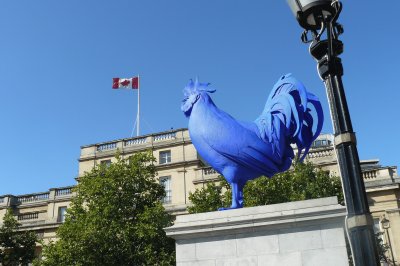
(125, 82)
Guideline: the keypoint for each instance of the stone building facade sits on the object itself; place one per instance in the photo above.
(39, 212)
(181, 170)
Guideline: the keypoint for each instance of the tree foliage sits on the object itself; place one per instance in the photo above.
(210, 197)
(383, 249)
(303, 182)
(116, 218)
(16, 247)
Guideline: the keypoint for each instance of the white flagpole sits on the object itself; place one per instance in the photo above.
(138, 109)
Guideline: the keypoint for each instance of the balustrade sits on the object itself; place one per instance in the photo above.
(319, 154)
(209, 171)
(107, 146)
(32, 198)
(28, 216)
(64, 191)
(370, 174)
(136, 141)
(165, 136)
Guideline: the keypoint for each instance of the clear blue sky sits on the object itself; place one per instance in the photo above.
(57, 59)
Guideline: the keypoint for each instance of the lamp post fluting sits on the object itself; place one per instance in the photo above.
(319, 18)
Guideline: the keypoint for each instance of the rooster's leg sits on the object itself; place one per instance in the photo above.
(237, 195)
(240, 195)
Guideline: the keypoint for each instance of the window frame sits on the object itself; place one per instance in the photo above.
(106, 162)
(163, 180)
(62, 211)
(165, 157)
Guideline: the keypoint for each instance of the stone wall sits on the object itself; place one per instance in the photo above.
(297, 233)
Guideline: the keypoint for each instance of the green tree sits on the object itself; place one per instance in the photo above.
(16, 247)
(210, 197)
(303, 182)
(116, 218)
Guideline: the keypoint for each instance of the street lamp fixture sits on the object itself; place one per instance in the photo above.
(311, 13)
(385, 223)
(318, 18)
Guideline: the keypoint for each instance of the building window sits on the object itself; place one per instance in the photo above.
(165, 157)
(165, 181)
(106, 163)
(40, 234)
(61, 214)
(321, 143)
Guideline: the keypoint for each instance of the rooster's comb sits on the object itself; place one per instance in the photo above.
(196, 87)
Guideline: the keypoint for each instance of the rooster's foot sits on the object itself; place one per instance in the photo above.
(229, 208)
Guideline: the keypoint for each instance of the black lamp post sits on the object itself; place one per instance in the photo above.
(319, 19)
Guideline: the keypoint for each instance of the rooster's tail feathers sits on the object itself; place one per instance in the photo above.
(287, 119)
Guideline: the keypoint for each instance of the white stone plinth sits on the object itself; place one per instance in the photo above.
(309, 232)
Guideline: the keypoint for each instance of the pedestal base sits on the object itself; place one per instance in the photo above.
(307, 232)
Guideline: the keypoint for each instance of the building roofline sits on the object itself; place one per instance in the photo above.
(138, 137)
(37, 193)
(369, 161)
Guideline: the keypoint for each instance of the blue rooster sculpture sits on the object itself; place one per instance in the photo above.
(242, 151)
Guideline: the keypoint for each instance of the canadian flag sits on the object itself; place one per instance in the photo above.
(132, 83)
